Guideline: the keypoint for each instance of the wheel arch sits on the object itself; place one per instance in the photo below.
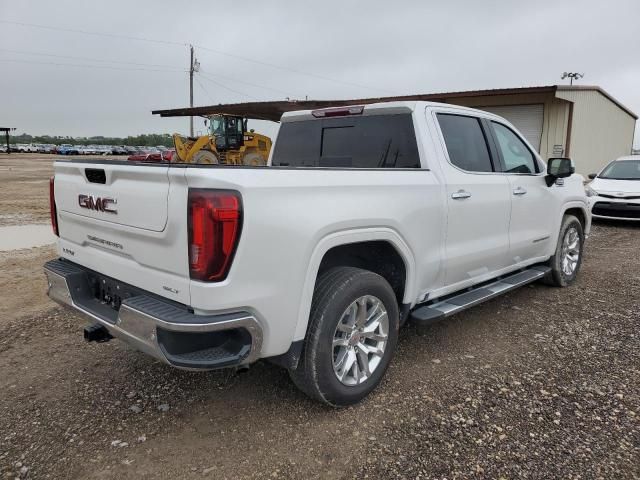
(581, 212)
(343, 242)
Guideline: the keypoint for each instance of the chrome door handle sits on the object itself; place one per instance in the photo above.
(460, 194)
(519, 191)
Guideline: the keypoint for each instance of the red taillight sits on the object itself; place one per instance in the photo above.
(52, 207)
(215, 221)
(338, 111)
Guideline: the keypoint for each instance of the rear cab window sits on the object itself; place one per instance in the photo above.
(367, 141)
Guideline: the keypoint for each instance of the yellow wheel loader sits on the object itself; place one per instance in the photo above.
(228, 143)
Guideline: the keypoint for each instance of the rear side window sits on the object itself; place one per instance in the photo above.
(466, 143)
(375, 141)
(516, 156)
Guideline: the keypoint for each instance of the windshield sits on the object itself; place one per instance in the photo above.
(622, 170)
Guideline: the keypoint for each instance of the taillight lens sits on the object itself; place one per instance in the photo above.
(215, 221)
(52, 206)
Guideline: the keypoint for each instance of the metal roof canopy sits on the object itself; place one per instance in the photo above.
(273, 110)
(6, 131)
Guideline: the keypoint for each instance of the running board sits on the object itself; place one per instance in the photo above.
(440, 309)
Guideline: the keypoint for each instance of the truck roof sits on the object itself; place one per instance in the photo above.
(380, 108)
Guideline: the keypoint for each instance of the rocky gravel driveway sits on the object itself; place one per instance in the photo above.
(542, 383)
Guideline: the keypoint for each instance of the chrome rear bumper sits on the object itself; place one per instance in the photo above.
(164, 330)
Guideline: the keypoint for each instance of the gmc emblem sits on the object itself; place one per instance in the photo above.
(96, 203)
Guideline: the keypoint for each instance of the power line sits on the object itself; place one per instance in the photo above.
(105, 67)
(204, 90)
(287, 69)
(248, 83)
(184, 44)
(209, 79)
(98, 34)
(91, 59)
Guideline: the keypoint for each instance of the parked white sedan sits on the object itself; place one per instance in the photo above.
(614, 193)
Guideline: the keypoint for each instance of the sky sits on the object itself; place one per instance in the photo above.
(106, 81)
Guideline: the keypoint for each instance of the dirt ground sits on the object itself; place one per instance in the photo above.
(541, 383)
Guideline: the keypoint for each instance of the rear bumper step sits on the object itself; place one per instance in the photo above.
(163, 329)
(435, 311)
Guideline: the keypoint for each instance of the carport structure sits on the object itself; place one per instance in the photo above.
(583, 122)
(6, 131)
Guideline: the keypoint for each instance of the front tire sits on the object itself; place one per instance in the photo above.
(205, 157)
(352, 336)
(567, 259)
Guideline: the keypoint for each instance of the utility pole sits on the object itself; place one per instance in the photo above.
(194, 66)
(191, 69)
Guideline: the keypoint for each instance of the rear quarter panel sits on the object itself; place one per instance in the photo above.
(293, 216)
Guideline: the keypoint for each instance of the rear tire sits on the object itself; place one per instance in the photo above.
(352, 336)
(567, 259)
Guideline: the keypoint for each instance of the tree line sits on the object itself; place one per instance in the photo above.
(147, 140)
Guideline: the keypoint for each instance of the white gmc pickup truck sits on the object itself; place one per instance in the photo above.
(366, 217)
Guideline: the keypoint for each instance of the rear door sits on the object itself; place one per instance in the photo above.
(478, 201)
(126, 220)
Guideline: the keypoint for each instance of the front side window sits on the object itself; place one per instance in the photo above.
(465, 142)
(516, 156)
(217, 126)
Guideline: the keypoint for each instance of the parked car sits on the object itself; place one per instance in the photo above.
(27, 148)
(139, 156)
(67, 149)
(89, 150)
(614, 192)
(367, 216)
(46, 148)
(162, 155)
(118, 150)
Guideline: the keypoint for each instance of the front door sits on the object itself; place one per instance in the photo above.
(478, 202)
(531, 221)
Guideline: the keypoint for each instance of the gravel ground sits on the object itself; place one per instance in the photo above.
(540, 383)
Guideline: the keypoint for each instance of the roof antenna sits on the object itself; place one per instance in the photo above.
(572, 76)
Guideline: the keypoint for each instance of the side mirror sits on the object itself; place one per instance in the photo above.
(559, 168)
(593, 175)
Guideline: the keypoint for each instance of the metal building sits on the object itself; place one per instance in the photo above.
(581, 122)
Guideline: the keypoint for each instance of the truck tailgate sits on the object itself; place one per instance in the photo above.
(127, 221)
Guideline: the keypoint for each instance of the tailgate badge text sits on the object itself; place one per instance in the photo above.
(98, 204)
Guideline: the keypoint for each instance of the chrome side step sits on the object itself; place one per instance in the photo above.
(432, 312)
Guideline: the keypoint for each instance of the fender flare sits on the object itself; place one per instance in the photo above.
(346, 237)
(586, 210)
